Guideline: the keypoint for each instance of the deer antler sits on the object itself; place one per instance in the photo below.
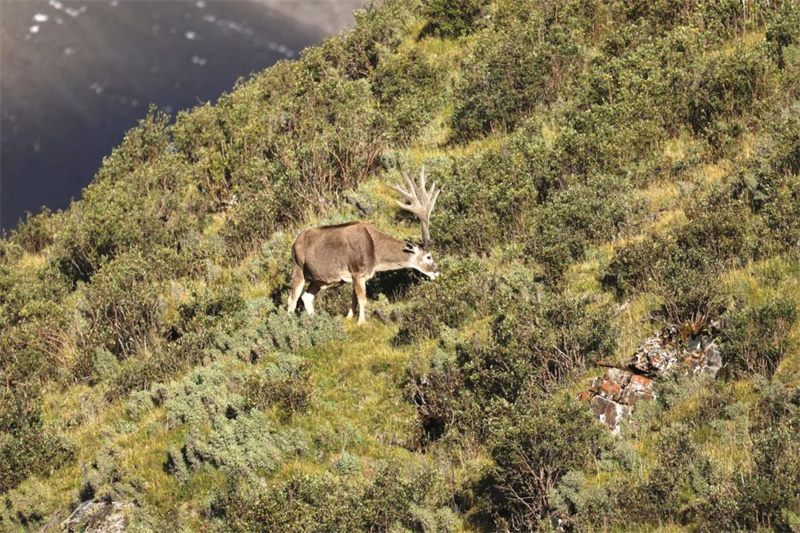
(420, 202)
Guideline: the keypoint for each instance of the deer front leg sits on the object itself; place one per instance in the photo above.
(353, 303)
(308, 297)
(360, 290)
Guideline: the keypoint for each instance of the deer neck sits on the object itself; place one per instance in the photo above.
(391, 254)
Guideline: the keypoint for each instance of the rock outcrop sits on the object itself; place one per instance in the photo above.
(614, 395)
(98, 516)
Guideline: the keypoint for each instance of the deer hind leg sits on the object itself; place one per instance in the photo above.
(308, 297)
(298, 281)
(360, 290)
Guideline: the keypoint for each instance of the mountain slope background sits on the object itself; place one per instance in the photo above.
(609, 170)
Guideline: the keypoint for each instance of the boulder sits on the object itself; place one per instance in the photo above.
(98, 516)
(614, 395)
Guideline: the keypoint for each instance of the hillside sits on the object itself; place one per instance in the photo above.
(619, 179)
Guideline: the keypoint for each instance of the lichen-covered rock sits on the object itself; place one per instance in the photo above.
(614, 395)
(99, 516)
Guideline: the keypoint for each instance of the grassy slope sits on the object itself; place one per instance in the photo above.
(359, 404)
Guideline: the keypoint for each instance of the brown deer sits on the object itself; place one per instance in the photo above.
(353, 252)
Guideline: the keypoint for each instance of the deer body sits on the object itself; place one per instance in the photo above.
(355, 251)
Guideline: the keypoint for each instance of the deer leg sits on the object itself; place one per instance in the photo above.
(298, 281)
(353, 303)
(360, 289)
(308, 297)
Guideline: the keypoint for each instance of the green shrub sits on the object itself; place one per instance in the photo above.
(522, 63)
(756, 336)
(27, 445)
(456, 296)
(532, 345)
(378, 32)
(580, 215)
(539, 345)
(286, 383)
(249, 223)
(770, 182)
(486, 201)
(769, 491)
(397, 498)
(451, 18)
(725, 86)
(409, 90)
(106, 477)
(142, 196)
(123, 304)
(292, 334)
(33, 323)
(242, 445)
(783, 30)
(683, 267)
(532, 450)
(35, 233)
(222, 428)
(201, 335)
(299, 134)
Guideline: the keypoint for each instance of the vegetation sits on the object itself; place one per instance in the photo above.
(609, 169)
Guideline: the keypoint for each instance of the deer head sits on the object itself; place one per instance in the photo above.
(420, 202)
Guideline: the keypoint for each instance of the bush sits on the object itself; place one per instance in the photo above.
(486, 202)
(142, 197)
(782, 31)
(447, 302)
(223, 430)
(537, 345)
(725, 86)
(287, 384)
(123, 304)
(522, 63)
(682, 268)
(532, 345)
(397, 499)
(250, 223)
(451, 18)
(378, 33)
(202, 333)
(409, 90)
(769, 491)
(578, 216)
(299, 134)
(35, 233)
(106, 477)
(756, 336)
(770, 182)
(532, 450)
(27, 445)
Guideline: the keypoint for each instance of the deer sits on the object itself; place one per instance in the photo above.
(354, 252)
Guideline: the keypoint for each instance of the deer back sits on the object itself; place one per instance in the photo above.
(329, 254)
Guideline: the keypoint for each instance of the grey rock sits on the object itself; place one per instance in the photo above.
(98, 516)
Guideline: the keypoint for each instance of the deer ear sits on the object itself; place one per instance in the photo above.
(410, 248)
